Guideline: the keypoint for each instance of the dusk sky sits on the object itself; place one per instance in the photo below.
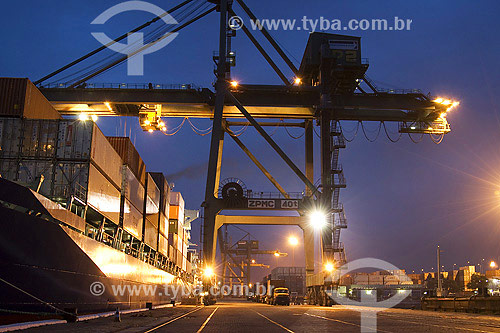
(402, 199)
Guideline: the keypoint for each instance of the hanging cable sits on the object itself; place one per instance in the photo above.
(389, 137)
(276, 128)
(241, 131)
(437, 140)
(294, 137)
(416, 141)
(355, 133)
(176, 129)
(198, 131)
(366, 136)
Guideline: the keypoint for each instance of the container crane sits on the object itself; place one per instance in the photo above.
(330, 86)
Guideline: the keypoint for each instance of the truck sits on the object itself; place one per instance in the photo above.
(271, 285)
(281, 296)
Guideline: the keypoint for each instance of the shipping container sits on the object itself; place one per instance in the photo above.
(162, 184)
(130, 156)
(132, 189)
(132, 219)
(171, 253)
(39, 138)
(103, 196)
(152, 196)
(151, 234)
(75, 140)
(105, 157)
(20, 98)
(163, 245)
(163, 223)
(179, 257)
(172, 240)
(10, 137)
(176, 199)
(70, 179)
(175, 225)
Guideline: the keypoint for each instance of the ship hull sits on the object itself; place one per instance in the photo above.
(44, 266)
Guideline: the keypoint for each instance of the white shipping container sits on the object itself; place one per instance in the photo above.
(176, 199)
(103, 196)
(74, 140)
(10, 134)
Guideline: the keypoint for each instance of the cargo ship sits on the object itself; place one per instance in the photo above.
(81, 219)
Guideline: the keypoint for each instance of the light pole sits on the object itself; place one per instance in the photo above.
(439, 291)
(293, 241)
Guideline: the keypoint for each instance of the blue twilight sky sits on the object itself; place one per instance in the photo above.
(402, 198)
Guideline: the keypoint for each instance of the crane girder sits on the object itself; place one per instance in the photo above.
(262, 101)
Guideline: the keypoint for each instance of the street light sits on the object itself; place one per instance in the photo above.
(493, 264)
(329, 267)
(208, 272)
(317, 219)
(293, 241)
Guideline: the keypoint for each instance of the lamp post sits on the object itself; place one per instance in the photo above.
(293, 241)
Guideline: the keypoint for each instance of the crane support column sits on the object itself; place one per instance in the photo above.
(210, 205)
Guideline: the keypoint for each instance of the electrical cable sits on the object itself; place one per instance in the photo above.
(389, 137)
(437, 140)
(366, 136)
(294, 137)
(416, 141)
(355, 134)
(176, 129)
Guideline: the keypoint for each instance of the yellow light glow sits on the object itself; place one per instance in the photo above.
(276, 254)
(438, 100)
(234, 84)
(147, 122)
(493, 264)
(329, 267)
(161, 123)
(94, 118)
(250, 285)
(208, 272)
(150, 130)
(108, 106)
(164, 129)
(83, 117)
(317, 219)
(292, 240)
(253, 261)
(298, 80)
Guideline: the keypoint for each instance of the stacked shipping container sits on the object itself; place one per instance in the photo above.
(72, 163)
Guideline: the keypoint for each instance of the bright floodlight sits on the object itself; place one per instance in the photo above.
(329, 267)
(208, 272)
(276, 254)
(493, 264)
(317, 219)
(83, 117)
(292, 240)
(298, 80)
(234, 84)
